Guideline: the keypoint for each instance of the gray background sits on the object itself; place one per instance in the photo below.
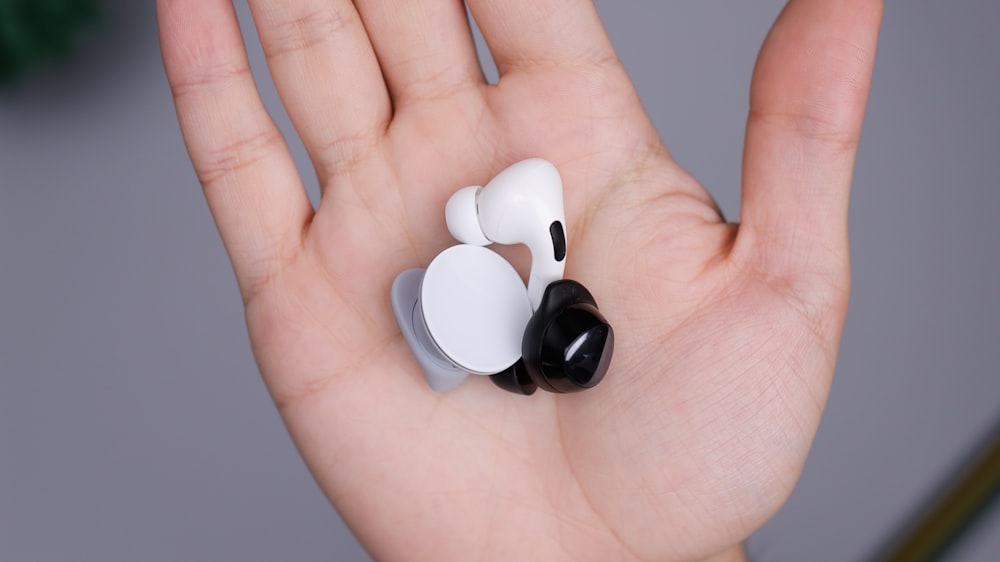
(133, 425)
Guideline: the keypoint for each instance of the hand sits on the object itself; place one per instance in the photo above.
(726, 334)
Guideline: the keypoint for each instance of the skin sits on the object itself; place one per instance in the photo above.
(727, 334)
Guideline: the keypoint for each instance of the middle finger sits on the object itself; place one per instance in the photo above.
(425, 48)
(328, 77)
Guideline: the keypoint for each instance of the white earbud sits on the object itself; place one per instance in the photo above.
(521, 205)
(465, 314)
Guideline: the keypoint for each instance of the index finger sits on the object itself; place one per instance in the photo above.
(250, 180)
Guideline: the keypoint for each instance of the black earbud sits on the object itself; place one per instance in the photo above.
(567, 344)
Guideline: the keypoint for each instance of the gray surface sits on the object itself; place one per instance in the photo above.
(133, 425)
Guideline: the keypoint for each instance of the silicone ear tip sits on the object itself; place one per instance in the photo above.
(462, 217)
(515, 379)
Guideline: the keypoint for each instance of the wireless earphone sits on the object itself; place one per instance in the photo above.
(469, 312)
(521, 205)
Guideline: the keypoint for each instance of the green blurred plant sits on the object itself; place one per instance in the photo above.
(32, 31)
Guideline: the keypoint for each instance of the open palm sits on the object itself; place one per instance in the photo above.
(726, 334)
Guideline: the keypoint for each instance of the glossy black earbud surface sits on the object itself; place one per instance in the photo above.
(515, 379)
(567, 344)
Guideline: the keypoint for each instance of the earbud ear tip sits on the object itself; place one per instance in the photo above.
(462, 217)
(515, 379)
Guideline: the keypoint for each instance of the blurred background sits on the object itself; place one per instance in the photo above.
(134, 426)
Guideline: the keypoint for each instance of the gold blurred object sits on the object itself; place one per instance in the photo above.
(954, 510)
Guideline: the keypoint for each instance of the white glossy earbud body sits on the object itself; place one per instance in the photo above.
(523, 204)
(465, 314)
(475, 308)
